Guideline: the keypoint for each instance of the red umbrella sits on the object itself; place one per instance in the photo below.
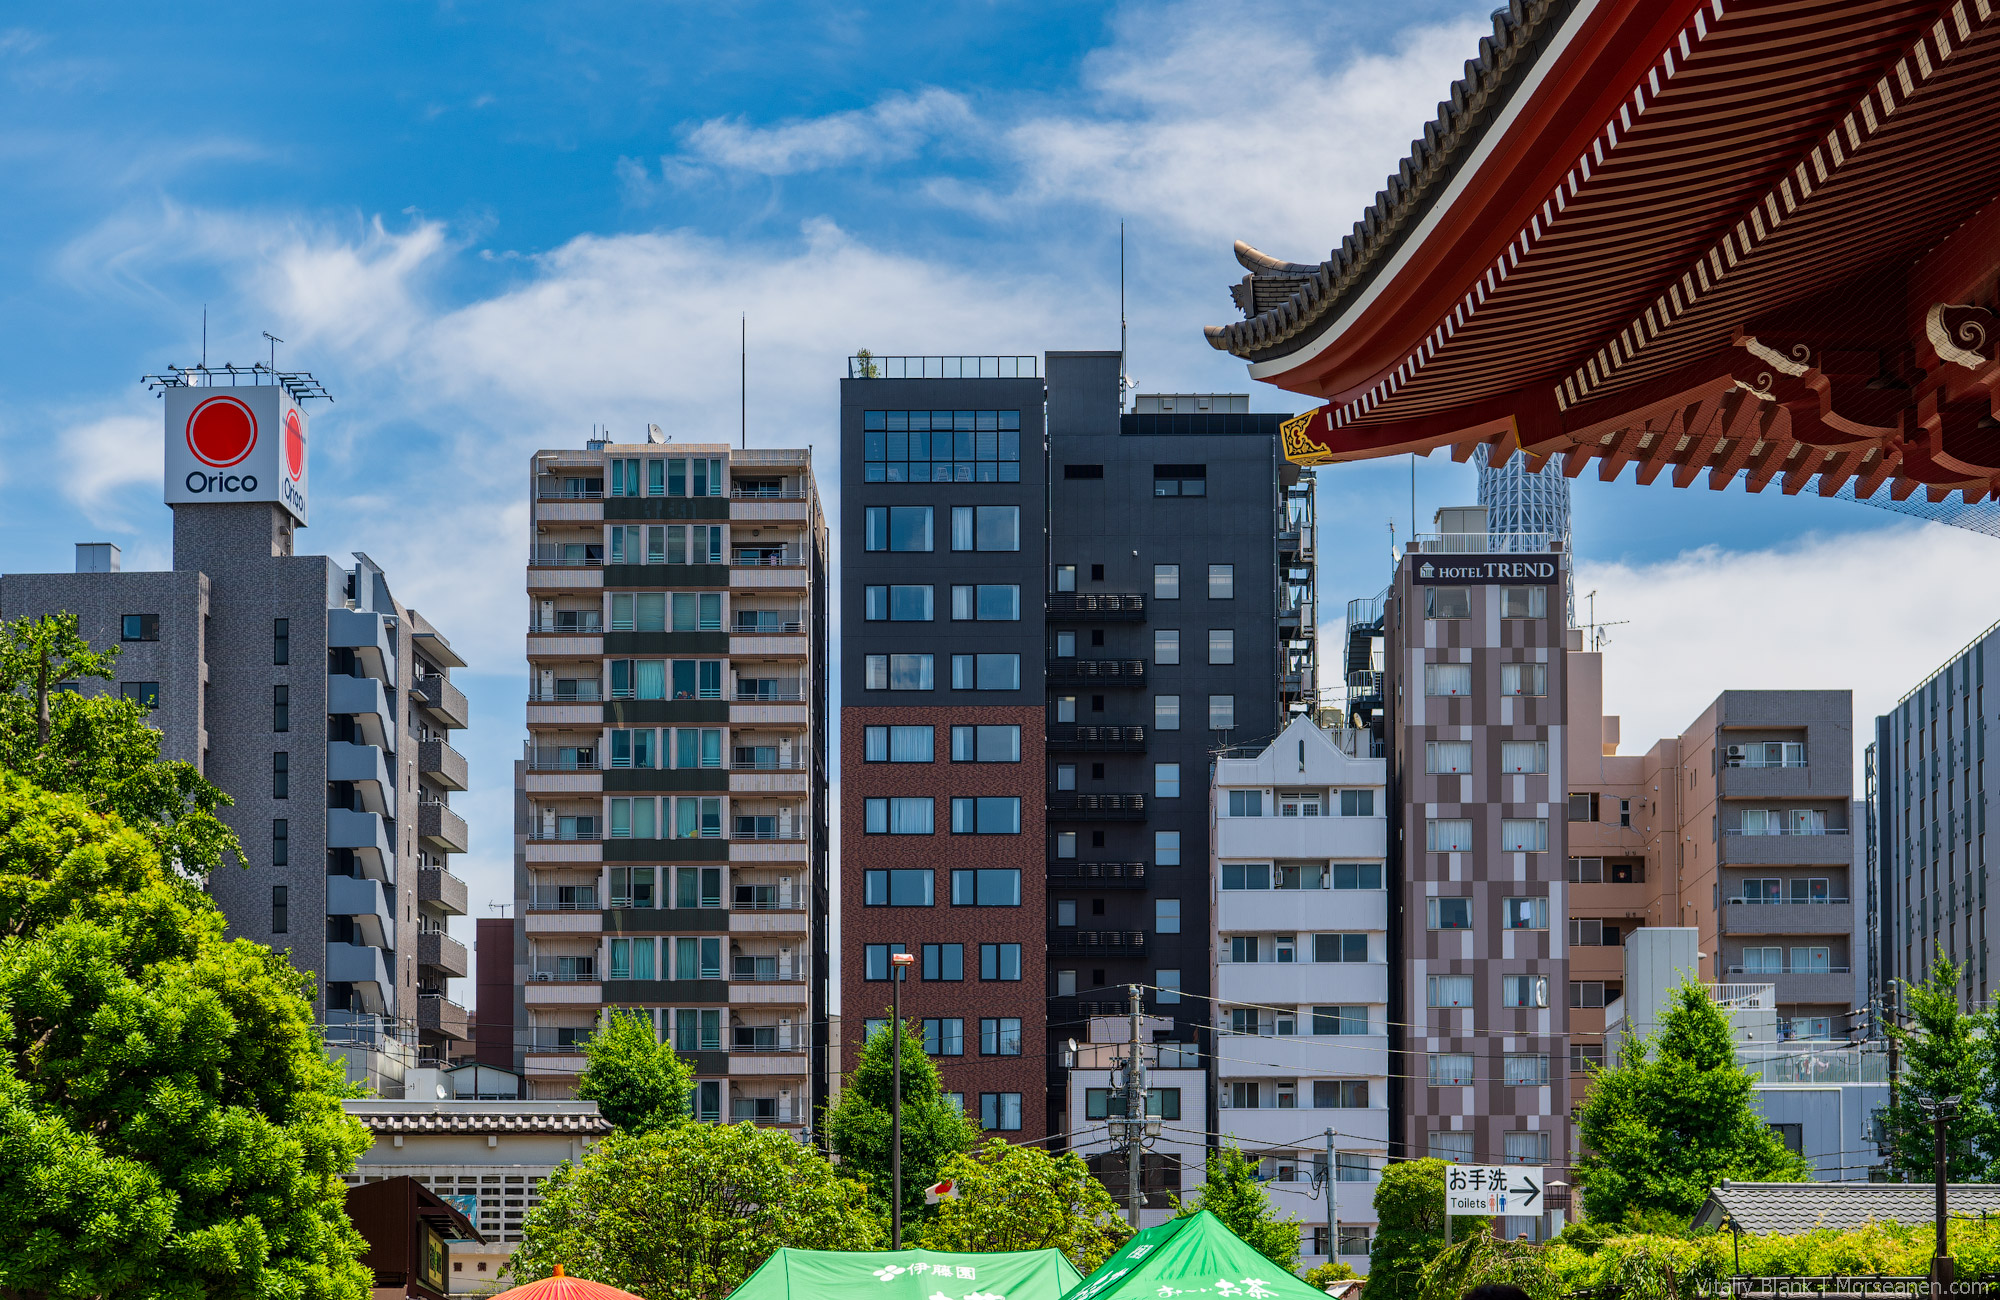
(562, 1287)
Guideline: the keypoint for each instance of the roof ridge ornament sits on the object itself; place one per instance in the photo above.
(1962, 334)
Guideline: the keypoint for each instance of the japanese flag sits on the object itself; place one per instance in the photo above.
(944, 1191)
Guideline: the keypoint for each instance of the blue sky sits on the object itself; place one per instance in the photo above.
(489, 227)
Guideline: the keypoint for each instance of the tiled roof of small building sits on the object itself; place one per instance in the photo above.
(392, 1119)
(1793, 1208)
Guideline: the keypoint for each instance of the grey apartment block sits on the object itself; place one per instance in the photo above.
(322, 706)
(1930, 806)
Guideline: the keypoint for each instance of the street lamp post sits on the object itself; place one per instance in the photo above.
(1941, 1113)
(898, 963)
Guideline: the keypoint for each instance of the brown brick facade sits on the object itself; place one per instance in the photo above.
(972, 998)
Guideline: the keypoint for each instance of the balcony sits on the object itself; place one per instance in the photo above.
(1097, 672)
(1097, 875)
(438, 886)
(1066, 607)
(1780, 917)
(1831, 847)
(368, 970)
(441, 1015)
(1097, 807)
(366, 903)
(1101, 740)
(1109, 943)
(363, 699)
(368, 836)
(367, 634)
(437, 694)
(1263, 1056)
(442, 764)
(1346, 839)
(1284, 911)
(1268, 983)
(569, 623)
(563, 898)
(580, 969)
(364, 767)
(441, 829)
(436, 948)
(561, 760)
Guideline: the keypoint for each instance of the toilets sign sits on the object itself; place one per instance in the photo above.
(1493, 1189)
(233, 444)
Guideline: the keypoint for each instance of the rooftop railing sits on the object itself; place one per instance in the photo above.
(873, 367)
(1485, 543)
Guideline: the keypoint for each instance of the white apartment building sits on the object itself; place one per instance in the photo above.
(1301, 973)
(1176, 1154)
(672, 823)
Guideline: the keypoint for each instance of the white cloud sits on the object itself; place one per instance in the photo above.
(894, 128)
(104, 455)
(1872, 612)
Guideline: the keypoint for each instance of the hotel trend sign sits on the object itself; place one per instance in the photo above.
(234, 444)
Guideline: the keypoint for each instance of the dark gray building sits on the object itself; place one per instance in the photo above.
(323, 707)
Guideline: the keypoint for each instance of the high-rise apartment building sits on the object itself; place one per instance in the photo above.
(1300, 947)
(671, 824)
(318, 702)
(1114, 585)
(1475, 638)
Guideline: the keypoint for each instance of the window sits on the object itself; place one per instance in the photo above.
(896, 673)
(898, 528)
(1524, 679)
(1529, 1147)
(944, 1037)
(986, 672)
(1447, 679)
(896, 744)
(281, 775)
(1586, 993)
(1524, 602)
(874, 958)
(1583, 807)
(1246, 875)
(1447, 756)
(1166, 582)
(1246, 803)
(1340, 947)
(1448, 835)
(1451, 1070)
(1340, 1020)
(1083, 471)
(1451, 913)
(1166, 780)
(1340, 1094)
(139, 627)
(1166, 848)
(1167, 712)
(1065, 776)
(1000, 1111)
(1000, 961)
(1524, 990)
(899, 604)
(981, 744)
(1590, 932)
(985, 815)
(941, 446)
(1524, 755)
(144, 694)
(1454, 1147)
(1169, 991)
(281, 842)
(1065, 912)
(1221, 645)
(1221, 712)
(998, 603)
(897, 816)
(1585, 1057)
(1586, 871)
(1166, 916)
(1221, 582)
(944, 961)
(1525, 1070)
(1357, 875)
(281, 640)
(986, 887)
(1447, 602)
(902, 887)
(281, 910)
(1524, 835)
(1065, 577)
(1525, 914)
(1166, 645)
(1000, 1036)
(1450, 990)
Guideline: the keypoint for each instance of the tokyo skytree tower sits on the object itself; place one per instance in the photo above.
(1517, 501)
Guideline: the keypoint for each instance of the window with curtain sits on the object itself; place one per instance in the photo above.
(1451, 1070)
(1524, 835)
(1525, 913)
(1447, 679)
(1450, 990)
(649, 679)
(1448, 756)
(1447, 602)
(1526, 1070)
(1524, 990)
(1454, 1147)
(1448, 835)
(1524, 679)
(1524, 756)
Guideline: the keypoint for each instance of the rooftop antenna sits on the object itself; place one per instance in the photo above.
(204, 336)
(1124, 379)
(275, 341)
(743, 380)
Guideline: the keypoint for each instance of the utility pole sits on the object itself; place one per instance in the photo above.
(1895, 1061)
(1135, 1118)
(1332, 1200)
(898, 963)
(1941, 1112)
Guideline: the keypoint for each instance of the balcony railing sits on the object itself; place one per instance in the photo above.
(1790, 830)
(563, 898)
(558, 492)
(591, 626)
(554, 760)
(581, 693)
(1119, 607)
(786, 694)
(1104, 941)
(550, 834)
(797, 763)
(1485, 543)
(582, 970)
(1785, 902)
(1105, 739)
(1819, 1063)
(1097, 807)
(859, 367)
(737, 492)
(566, 1039)
(1734, 761)
(556, 557)
(1811, 968)
(699, 693)
(1102, 672)
(780, 623)
(701, 625)
(1128, 874)
(782, 557)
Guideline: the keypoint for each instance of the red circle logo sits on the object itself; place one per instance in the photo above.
(221, 432)
(295, 445)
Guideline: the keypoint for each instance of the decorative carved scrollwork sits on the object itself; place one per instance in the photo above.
(1795, 362)
(1962, 334)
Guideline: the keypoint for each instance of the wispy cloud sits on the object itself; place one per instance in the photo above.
(892, 129)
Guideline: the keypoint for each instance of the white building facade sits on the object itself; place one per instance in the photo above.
(1301, 972)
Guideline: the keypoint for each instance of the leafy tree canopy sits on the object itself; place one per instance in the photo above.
(637, 1081)
(1233, 1194)
(934, 1129)
(169, 1123)
(1322, 1276)
(1946, 1053)
(1022, 1198)
(1409, 1213)
(1674, 1117)
(688, 1212)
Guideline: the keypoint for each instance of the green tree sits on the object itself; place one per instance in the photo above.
(934, 1130)
(1945, 1053)
(1674, 1117)
(637, 1081)
(1022, 1198)
(1233, 1194)
(1409, 1214)
(686, 1213)
(170, 1125)
(1322, 1276)
(100, 747)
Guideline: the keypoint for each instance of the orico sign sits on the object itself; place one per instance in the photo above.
(236, 444)
(1432, 571)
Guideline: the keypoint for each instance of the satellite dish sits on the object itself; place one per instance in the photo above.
(653, 434)
(442, 1096)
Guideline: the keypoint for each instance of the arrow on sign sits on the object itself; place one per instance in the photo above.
(1527, 1191)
